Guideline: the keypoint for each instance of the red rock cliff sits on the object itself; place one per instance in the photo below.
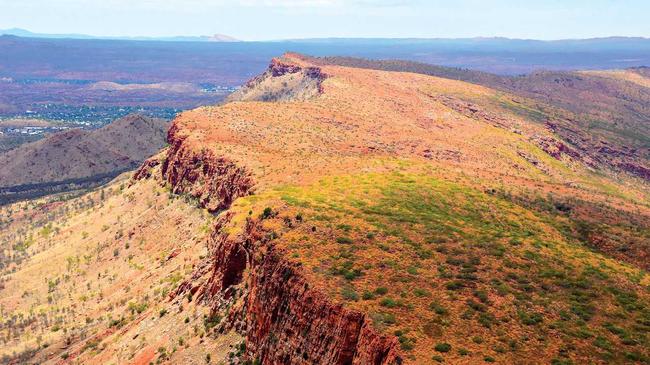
(284, 318)
(214, 181)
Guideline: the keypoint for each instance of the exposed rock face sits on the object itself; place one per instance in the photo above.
(213, 180)
(282, 82)
(145, 171)
(285, 319)
(291, 323)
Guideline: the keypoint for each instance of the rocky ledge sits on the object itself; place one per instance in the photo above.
(214, 181)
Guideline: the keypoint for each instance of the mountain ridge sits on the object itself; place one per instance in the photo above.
(336, 215)
(264, 231)
(226, 38)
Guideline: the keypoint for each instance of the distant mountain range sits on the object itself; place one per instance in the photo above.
(26, 33)
(232, 63)
(453, 42)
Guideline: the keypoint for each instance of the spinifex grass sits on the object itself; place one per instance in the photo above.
(453, 263)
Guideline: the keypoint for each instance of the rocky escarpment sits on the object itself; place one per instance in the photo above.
(282, 82)
(215, 181)
(284, 318)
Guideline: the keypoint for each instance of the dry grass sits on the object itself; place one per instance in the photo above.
(96, 278)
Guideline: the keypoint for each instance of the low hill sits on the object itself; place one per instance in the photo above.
(79, 157)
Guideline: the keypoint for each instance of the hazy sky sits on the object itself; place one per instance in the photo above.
(277, 19)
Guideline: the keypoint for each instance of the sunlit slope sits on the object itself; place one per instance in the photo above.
(363, 115)
(446, 211)
(601, 115)
(437, 262)
(87, 280)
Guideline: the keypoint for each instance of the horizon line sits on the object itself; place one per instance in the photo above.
(231, 39)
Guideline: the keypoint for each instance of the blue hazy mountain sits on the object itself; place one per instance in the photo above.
(26, 33)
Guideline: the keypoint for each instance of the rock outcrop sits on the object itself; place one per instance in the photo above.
(215, 181)
(284, 318)
(282, 82)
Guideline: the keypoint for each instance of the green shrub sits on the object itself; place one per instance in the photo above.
(602, 343)
(636, 356)
(454, 285)
(90, 345)
(344, 240)
(352, 274)
(476, 306)
(530, 319)
(389, 303)
(210, 321)
(267, 213)
(137, 308)
(438, 308)
(557, 361)
(383, 318)
(486, 319)
(381, 290)
(406, 343)
(481, 295)
(348, 293)
(443, 347)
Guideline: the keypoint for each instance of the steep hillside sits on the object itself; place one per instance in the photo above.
(78, 157)
(357, 217)
(87, 280)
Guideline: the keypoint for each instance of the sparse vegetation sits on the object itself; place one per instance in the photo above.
(496, 244)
